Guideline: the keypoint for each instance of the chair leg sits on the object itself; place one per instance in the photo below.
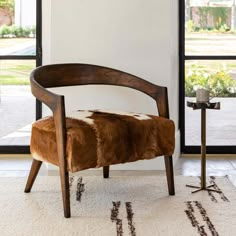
(106, 172)
(64, 175)
(170, 174)
(32, 175)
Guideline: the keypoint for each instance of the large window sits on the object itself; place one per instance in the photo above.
(208, 60)
(20, 53)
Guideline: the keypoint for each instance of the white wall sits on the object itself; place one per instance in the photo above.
(136, 36)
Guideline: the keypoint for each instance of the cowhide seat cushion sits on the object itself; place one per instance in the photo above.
(100, 138)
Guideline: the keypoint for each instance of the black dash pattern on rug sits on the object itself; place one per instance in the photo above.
(205, 217)
(190, 213)
(216, 187)
(79, 189)
(130, 216)
(191, 216)
(114, 218)
(212, 194)
(71, 180)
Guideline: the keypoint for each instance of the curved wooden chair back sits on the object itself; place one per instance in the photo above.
(60, 75)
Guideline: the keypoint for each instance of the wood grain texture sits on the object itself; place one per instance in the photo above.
(35, 167)
(170, 174)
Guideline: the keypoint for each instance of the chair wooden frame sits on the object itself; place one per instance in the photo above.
(58, 75)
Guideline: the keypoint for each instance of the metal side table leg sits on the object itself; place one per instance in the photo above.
(203, 158)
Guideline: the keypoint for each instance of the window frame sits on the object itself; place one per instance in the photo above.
(25, 149)
(190, 149)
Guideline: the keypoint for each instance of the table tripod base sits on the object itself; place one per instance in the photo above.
(207, 188)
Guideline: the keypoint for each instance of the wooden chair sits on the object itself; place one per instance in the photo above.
(56, 131)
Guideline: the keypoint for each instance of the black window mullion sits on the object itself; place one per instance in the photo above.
(39, 33)
(215, 57)
(38, 50)
(16, 57)
(181, 72)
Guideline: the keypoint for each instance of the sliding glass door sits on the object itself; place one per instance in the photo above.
(208, 60)
(20, 53)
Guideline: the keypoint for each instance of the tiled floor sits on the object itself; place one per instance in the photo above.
(215, 166)
(187, 166)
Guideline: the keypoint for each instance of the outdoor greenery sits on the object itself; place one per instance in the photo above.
(219, 15)
(212, 75)
(17, 31)
(9, 5)
(13, 31)
(220, 83)
(222, 28)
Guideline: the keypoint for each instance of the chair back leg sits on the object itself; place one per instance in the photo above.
(170, 174)
(106, 172)
(33, 174)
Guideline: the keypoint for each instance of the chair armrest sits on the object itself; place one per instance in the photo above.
(57, 105)
(50, 99)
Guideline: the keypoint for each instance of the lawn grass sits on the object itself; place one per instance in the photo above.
(211, 65)
(16, 72)
(12, 80)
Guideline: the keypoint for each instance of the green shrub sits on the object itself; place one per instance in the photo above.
(26, 32)
(219, 83)
(190, 26)
(33, 30)
(13, 29)
(224, 28)
(17, 31)
(5, 30)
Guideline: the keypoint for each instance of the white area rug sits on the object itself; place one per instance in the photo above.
(136, 206)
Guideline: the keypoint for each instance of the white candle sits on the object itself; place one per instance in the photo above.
(202, 95)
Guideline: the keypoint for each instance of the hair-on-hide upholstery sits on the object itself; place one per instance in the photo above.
(98, 138)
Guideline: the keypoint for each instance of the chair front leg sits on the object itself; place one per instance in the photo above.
(33, 174)
(170, 174)
(60, 125)
(64, 176)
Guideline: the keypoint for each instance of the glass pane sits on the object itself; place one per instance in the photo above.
(210, 27)
(17, 105)
(17, 27)
(220, 78)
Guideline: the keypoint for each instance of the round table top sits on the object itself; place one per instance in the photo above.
(203, 105)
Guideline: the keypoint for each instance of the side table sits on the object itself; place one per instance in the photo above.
(203, 106)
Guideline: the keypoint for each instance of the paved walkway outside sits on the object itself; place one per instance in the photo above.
(221, 124)
(17, 112)
(21, 46)
(210, 44)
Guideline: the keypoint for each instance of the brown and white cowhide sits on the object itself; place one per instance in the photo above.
(100, 138)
